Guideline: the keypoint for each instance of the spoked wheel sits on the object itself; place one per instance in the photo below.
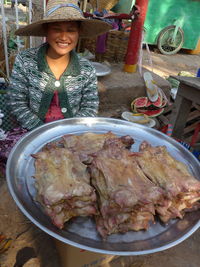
(170, 43)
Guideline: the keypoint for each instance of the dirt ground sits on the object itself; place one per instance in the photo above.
(164, 65)
(31, 247)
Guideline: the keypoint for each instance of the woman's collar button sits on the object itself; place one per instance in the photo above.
(64, 110)
(57, 83)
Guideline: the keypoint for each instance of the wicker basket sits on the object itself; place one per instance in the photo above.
(116, 46)
(100, 4)
(11, 61)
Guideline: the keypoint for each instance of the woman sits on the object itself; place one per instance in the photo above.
(51, 82)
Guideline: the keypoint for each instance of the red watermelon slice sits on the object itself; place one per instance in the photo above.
(157, 103)
(151, 113)
(140, 102)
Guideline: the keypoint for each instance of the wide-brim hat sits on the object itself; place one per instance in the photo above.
(65, 10)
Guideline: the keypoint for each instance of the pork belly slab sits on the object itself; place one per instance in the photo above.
(126, 197)
(182, 189)
(63, 185)
(87, 144)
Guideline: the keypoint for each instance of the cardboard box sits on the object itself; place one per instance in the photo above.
(75, 257)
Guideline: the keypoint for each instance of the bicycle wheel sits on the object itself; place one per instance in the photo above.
(166, 44)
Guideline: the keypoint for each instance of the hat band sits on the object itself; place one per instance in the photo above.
(62, 5)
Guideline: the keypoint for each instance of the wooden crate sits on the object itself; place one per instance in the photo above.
(191, 124)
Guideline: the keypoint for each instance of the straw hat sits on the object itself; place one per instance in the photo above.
(64, 10)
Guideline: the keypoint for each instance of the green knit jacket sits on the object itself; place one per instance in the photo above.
(32, 86)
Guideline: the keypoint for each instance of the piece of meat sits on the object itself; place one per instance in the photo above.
(126, 197)
(63, 185)
(182, 189)
(87, 144)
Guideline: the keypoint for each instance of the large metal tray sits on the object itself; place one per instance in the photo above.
(81, 232)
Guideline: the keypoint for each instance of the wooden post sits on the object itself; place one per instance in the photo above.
(5, 41)
(135, 37)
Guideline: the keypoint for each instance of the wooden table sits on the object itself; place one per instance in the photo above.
(188, 92)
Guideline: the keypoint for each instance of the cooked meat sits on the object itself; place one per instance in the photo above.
(128, 188)
(88, 144)
(126, 197)
(62, 183)
(182, 189)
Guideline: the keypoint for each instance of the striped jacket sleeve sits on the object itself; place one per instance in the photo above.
(90, 100)
(18, 97)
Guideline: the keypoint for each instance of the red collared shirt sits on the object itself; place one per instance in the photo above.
(54, 112)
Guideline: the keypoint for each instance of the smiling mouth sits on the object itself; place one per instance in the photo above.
(63, 45)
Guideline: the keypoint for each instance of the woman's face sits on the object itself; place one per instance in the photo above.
(62, 37)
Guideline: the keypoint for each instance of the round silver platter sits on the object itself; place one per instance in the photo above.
(101, 69)
(81, 232)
